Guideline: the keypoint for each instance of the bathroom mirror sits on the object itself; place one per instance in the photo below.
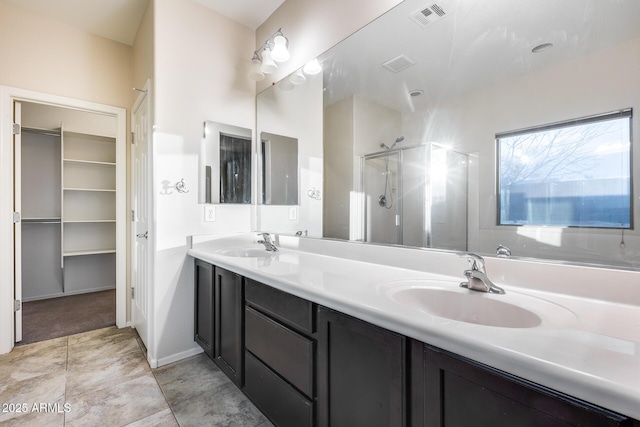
(225, 164)
(459, 75)
(279, 161)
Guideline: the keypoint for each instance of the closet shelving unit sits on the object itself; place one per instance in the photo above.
(88, 209)
(69, 212)
(89, 191)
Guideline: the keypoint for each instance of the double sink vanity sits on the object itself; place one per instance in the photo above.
(323, 332)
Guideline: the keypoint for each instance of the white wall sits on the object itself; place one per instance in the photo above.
(201, 63)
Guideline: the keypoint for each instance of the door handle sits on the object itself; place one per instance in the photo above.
(145, 235)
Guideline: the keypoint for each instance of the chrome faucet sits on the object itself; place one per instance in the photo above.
(267, 242)
(477, 279)
(503, 252)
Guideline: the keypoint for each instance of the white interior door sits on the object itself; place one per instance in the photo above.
(141, 272)
(17, 207)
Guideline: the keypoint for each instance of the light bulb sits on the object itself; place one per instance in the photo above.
(280, 52)
(312, 67)
(298, 77)
(268, 66)
(255, 73)
(285, 84)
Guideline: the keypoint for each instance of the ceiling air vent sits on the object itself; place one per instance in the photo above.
(399, 63)
(427, 15)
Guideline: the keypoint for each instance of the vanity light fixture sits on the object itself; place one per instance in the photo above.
(268, 64)
(280, 51)
(255, 73)
(285, 84)
(312, 67)
(298, 77)
(275, 49)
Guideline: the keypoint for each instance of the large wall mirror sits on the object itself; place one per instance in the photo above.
(454, 125)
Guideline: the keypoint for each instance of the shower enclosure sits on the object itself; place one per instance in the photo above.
(416, 196)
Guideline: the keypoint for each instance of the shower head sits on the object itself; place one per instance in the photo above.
(397, 141)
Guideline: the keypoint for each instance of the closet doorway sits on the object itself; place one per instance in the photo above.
(69, 233)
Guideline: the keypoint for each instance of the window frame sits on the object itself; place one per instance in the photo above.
(618, 114)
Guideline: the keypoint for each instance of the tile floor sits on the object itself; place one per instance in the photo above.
(102, 378)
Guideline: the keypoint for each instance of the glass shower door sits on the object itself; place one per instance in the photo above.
(382, 190)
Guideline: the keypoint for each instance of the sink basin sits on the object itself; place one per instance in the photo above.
(246, 252)
(512, 310)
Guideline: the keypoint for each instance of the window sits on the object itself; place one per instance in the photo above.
(571, 174)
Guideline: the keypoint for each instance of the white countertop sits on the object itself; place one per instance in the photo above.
(585, 347)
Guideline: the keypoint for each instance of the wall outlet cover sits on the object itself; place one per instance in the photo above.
(209, 213)
(293, 213)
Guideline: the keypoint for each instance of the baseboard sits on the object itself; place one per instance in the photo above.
(178, 356)
(67, 294)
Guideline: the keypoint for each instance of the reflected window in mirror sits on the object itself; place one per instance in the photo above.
(571, 174)
(279, 169)
(225, 164)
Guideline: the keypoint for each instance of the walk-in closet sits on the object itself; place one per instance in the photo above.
(65, 188)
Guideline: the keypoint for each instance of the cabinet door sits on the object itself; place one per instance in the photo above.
(460, 392)
(361, 373)
(229, 312)
(203, 321)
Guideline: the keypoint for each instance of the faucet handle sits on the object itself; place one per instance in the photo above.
(476, 261)
(503, 252)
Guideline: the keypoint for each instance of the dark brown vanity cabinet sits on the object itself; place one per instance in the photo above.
(448, 390)
(219, 317)
(229, 321)
(306, 365)
(280, 351)
(361, 373)
(203, 320)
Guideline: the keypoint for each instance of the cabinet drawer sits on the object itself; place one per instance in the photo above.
(287, 308)
(286, 352)
(278, 400)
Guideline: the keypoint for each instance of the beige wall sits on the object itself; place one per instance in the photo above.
(314, 26)
(47, 56)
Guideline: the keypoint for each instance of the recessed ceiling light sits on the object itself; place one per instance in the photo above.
(416, 92)
(542, 47)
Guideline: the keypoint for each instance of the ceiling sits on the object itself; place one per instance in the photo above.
(472, 46)
(119, 19)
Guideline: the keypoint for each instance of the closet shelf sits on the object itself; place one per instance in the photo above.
(87, 221)
(89, 252)
(46, 220)
(112, 190)
(90, 162)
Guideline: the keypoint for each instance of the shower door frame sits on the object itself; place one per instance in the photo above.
(399, 213)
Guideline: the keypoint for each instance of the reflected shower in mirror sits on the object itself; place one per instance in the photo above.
(225, 164)
(279, 156)
(415, 196)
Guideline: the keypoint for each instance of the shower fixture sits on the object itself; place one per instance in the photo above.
(382, 200)
(397, 141)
